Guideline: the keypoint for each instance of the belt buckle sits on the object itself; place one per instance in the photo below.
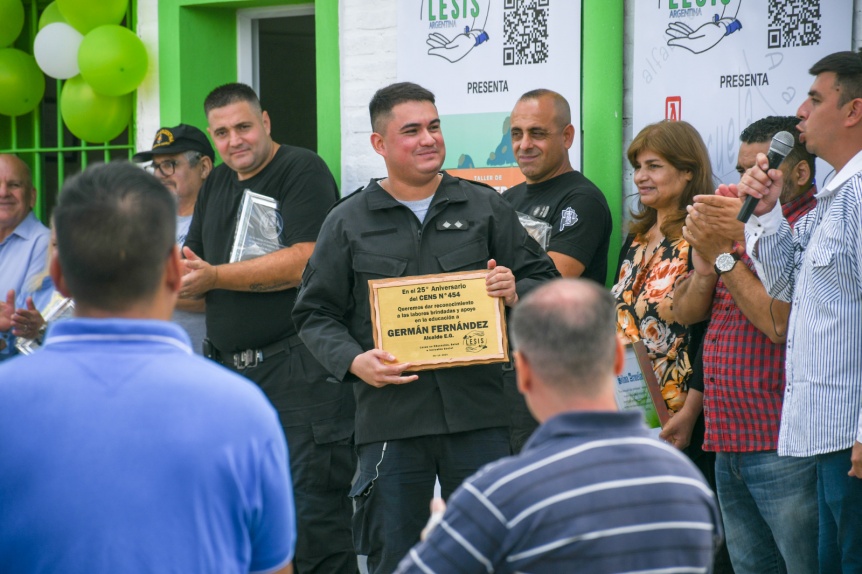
(246, 359)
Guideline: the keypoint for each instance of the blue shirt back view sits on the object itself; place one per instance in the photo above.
(121, 451)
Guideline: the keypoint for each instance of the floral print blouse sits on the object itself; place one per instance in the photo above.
(644, 293)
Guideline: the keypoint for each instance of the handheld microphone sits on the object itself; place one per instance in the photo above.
(782, 143)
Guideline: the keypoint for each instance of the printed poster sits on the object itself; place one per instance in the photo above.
(479, 57)
(722, 64)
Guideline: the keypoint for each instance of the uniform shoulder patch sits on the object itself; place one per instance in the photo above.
(568, 217)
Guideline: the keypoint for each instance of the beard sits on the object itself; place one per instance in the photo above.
(789, 191)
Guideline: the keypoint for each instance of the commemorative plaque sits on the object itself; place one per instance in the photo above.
(258, 227)
(438, 321)
(637, 387)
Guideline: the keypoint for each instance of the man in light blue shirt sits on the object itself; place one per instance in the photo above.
(817, 266)
(23, 249)
(121, 450)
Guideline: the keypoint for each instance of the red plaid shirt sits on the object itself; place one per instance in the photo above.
(743, 370)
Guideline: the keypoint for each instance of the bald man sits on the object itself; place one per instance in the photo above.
(24, 241)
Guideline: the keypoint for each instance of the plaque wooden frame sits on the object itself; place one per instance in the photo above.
(454, 328)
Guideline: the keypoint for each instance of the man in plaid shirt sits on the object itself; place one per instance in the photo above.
(768, 503)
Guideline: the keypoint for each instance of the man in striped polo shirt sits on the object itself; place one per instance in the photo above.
(591, 489)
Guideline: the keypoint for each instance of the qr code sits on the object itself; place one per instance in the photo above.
(525, 32)
(793, 23)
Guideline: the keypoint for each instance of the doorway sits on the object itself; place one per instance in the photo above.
(276, 56)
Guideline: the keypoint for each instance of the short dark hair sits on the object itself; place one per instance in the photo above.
(566, 328)
(764, 129)
(116, 227)
(385, 99)
(228, 94)
(562, 110)
(847, 67)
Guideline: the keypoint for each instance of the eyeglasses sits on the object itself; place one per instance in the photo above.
(167, 167)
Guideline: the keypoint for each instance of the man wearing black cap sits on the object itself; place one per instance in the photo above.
(182, 158)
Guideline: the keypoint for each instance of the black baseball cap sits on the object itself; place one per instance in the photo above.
(175, 140)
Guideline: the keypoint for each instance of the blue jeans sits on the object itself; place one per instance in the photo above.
(840, 500)
(396, 484)
(769, 509)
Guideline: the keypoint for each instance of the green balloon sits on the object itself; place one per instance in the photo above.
(11, 21)
(91, 116)
(51, 15)
(22, 83)
(113, 60)
(84, 15)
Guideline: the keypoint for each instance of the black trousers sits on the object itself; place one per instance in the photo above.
(521, 421)
(317, 418)
(396, 484)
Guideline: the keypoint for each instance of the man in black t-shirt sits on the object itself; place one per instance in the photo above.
(542, 133)
(249, 305)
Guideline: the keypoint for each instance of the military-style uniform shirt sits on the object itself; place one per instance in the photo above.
(370, 235)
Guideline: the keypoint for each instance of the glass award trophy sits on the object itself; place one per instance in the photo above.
(58, 309)
(258, 227)
(538, 229)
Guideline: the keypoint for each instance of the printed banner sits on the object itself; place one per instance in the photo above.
(478, 57)
(722, 64)
(637, 387)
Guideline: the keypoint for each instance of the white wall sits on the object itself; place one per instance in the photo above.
(148, 109)
(368, 62)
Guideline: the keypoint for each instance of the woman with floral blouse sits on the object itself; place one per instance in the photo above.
(671, 166)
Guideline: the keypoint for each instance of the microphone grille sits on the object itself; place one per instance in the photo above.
(782, 143)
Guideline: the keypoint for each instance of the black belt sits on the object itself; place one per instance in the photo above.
(248, 358)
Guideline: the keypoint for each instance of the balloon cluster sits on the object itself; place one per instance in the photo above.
(82, 42)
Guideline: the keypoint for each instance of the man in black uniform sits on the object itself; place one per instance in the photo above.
(248, 307)
(446, 423)
(542, 133)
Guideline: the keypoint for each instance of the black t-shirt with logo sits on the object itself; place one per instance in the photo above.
(578, 214)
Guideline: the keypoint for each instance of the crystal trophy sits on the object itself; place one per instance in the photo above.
(538, 229)
(258, 228)
(59, 309)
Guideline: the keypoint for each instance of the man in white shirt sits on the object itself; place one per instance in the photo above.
(818, 268)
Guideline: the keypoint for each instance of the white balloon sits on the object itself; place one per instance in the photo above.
(56, 50)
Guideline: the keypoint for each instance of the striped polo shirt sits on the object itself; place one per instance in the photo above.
(592, 491)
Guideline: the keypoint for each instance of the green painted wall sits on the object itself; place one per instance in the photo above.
(197, 52)
(602, 108)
